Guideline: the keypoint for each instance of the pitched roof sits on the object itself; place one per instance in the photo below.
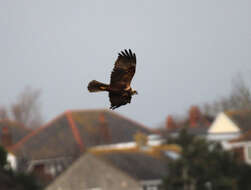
(91, 169)
(137, 165)
(74, 131)
(17, 130)
(242, 118)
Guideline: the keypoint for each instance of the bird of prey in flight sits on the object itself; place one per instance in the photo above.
(120, 90)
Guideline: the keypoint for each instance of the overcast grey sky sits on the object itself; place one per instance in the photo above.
(187, 51)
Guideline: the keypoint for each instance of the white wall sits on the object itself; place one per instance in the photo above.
(222, 125)
(12, 161)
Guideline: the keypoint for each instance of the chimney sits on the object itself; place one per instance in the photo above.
(194, 116)
(3, 114)
(104, 130)
(170, 124)
(6, 139)
(141, 140)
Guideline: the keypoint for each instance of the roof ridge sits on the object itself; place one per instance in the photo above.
(32, 133)
(74, 130)
(86, 110)
(114, 113)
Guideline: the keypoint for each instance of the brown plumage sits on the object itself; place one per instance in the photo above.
(120, 91)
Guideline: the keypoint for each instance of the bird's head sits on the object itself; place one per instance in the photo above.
(134, 92)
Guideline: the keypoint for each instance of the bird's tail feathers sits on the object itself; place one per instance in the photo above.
(96, 86)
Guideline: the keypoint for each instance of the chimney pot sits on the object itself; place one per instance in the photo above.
(194, 116)
(101, 118)
(170, 124)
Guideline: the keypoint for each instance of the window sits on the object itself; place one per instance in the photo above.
(151, 184)
(59, 168)
(52, 170)
(39, 169)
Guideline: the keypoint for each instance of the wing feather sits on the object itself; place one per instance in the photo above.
(124, 70)
(119, 99)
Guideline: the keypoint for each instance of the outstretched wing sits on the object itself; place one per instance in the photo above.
(123, 71)
(118, 99)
